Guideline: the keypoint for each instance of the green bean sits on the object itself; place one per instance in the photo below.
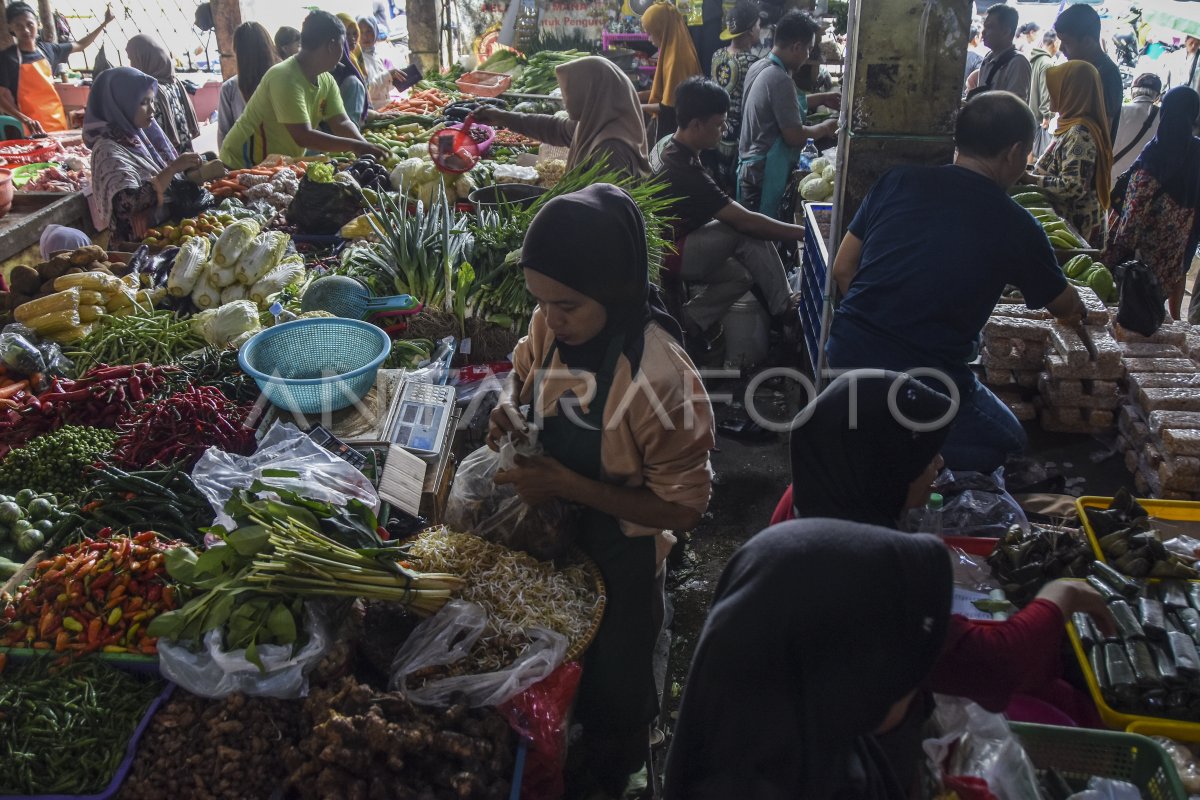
(57, 752)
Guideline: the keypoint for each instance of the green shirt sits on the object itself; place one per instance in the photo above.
(283, 97)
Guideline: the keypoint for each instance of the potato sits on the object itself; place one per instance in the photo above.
(5, 301)
(99, 266)
(54, 268)
(74, 271)
(24, 279)
(86, 255)
(16, 299)
(47, 288)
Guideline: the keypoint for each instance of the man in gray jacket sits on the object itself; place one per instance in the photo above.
(1004, 69)
(1040, 59)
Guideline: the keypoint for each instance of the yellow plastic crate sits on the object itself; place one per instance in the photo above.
(1133, 723)
(1167, 510)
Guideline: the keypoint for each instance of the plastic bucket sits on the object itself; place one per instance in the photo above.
(747, 332)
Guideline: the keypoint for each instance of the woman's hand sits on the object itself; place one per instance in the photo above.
(186, 163)
(1028, 178)
(1072, 597)
(537, 479)
(488, 115)
(505, 419)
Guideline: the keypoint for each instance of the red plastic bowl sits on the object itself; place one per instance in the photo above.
(19, 152)
(485, 145)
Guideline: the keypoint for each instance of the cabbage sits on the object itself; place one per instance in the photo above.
(828, 173)
(220, 326)
(420, 151)
(818, 165)
(407, 173)
(815, 189)
(236, 238)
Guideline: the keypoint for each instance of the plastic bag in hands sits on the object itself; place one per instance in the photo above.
(213, 672)
(539, 714)
(447, 637)
(979, 744)
(322, 475)
(497, 513)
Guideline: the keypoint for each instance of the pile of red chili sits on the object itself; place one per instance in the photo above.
(180, 427)
(98, 399)
(98, 594)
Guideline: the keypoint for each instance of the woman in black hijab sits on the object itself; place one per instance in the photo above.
(626, 426)
(853, 458)
(867, 450)
(798, 667)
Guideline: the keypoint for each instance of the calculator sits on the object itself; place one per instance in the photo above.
(420, 417)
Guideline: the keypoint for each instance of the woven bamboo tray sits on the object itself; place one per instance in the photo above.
(577, 648)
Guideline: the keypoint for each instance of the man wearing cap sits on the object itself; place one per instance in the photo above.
(729, 68)
(1139, 123)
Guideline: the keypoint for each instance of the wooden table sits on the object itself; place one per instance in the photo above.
(31, 213)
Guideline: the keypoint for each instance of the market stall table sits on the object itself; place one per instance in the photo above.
(32, 213)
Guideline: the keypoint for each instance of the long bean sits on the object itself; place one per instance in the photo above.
(157, 337)
(65, 730)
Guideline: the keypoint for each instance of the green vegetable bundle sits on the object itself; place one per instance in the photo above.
(156, 337)
(538, 77)
(66, 729)
(56, 462)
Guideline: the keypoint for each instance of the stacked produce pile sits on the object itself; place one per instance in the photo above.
(1067, 377)
(1160, 421)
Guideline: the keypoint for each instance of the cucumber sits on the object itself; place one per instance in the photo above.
(1029, 198)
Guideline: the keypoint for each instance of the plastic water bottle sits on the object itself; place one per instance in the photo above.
(809, 154)
(931, 520)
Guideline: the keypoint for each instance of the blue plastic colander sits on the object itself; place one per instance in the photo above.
(309, 366)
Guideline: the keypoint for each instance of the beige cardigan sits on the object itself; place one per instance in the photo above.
(658, 430)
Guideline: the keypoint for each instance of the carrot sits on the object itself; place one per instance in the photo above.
(12, 389)
(35, 379)
(227, 184)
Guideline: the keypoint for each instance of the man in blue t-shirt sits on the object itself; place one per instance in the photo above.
(926, 259)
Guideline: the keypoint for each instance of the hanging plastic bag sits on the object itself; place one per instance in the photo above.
(213, 672)
(539, 714)
(497, 513)
(1142, 306)
(447, 637)
(976, 504)
(319, 474)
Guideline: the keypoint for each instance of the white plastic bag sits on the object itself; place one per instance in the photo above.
(1107, 789)
(448, 636)
(977, 743)
(321, 475)
(213, 672)
(497, 513)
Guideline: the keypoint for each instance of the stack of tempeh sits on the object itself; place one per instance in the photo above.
(1160, 422)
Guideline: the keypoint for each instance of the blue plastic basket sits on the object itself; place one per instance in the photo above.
(310, 366)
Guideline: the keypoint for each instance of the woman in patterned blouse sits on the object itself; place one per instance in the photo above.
(1075, 171)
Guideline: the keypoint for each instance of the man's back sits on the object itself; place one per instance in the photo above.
(1114, 89)
(1134, 133)
(939, 245)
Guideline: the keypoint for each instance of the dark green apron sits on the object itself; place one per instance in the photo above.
(616, 692)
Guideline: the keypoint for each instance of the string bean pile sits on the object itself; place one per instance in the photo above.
(158, 337)
(64, 731)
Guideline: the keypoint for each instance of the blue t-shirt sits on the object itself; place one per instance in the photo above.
(939, 246)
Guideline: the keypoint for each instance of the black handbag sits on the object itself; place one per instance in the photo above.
(1142, 306)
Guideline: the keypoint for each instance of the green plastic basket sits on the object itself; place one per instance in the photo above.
(1080, 753)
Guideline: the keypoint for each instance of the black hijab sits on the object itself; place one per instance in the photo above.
(594, 241)
(1173, 155)
(798, 663)
(853, 459)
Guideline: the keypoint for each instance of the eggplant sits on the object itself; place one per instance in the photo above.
(1123, 585)
(140, 260)
(1145, 672)
(1183, 653)
(1166, 665)
(1107, 592)
(1172, 594)
(1153, 618)
(1088, 636)
(1127, 622)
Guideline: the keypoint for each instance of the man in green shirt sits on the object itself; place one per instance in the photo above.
(294, 99)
